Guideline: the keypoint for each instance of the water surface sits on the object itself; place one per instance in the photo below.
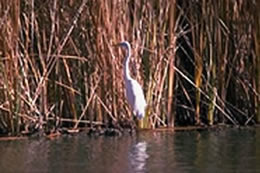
(229, 150)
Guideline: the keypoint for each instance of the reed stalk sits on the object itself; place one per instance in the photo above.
(257, 61)
(172, 38)
(199, 45)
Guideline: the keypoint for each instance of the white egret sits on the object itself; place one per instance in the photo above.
(134, 92)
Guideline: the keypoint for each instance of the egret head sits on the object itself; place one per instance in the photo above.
(125, 44)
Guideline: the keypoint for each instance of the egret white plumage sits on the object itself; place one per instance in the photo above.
(134, 92)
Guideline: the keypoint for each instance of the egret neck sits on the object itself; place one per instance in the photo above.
(126, 64)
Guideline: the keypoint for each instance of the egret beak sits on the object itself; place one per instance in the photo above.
(116, 45)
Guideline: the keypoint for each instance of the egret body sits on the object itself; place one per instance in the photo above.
(134, 92)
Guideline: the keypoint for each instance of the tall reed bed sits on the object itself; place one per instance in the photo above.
(198, 63)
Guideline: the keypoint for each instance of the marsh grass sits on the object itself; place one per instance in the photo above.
(198, 63)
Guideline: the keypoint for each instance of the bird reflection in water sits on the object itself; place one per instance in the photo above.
(139, 156)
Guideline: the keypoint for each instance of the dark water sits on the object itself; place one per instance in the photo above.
(229, 150)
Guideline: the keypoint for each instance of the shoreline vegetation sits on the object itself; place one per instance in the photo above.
(198, 63)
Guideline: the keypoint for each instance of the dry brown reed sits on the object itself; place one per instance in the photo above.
(198, 63)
